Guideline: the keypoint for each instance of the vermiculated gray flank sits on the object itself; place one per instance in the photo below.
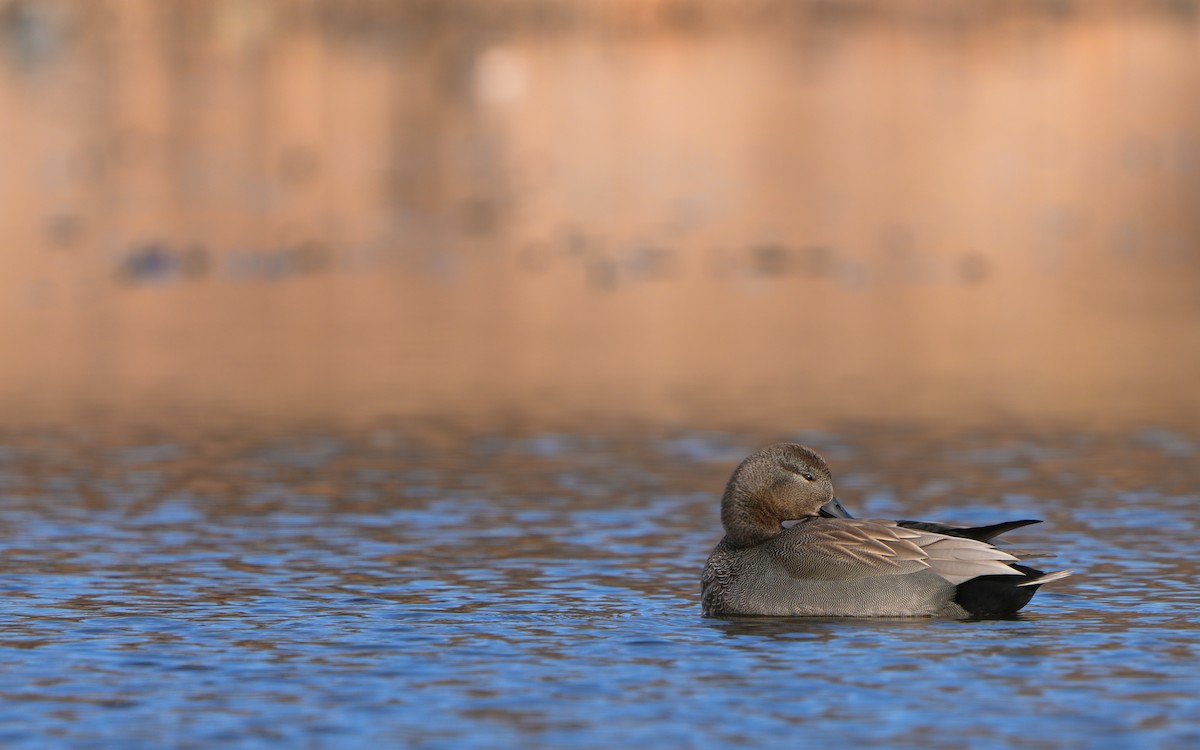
(830, 564)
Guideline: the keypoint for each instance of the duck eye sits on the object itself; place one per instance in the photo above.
(807, 476)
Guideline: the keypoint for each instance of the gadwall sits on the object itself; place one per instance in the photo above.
(830, 564)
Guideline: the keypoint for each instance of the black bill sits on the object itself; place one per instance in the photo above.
(833, 509)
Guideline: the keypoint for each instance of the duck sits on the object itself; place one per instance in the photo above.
(827, 563)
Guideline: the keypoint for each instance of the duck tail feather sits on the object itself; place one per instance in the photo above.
(1046, 578)
(978, 533)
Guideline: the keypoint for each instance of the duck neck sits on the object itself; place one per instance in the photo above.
(747, 522)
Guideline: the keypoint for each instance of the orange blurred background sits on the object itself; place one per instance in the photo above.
(560, 211)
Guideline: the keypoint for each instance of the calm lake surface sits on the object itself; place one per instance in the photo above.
(424, 585)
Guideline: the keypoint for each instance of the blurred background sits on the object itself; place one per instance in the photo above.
(697, 211)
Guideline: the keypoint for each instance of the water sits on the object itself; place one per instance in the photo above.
(422, 585)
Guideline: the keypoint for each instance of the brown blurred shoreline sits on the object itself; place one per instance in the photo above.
(567, 214)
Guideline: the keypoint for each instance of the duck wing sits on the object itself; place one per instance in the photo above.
(838, 548)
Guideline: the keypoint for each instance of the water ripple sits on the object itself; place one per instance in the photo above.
(542, 591)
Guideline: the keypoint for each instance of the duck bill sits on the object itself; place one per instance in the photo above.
(833, 509)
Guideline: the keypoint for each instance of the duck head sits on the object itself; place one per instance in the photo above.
(782, 482)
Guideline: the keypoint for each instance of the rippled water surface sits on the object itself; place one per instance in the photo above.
(434, 587)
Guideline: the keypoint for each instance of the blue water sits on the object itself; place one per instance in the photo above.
(442, 588)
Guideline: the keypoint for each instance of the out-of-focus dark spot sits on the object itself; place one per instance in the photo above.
(836, 11)
(602, 273)
(974, 268)
(287, 261)
(64, 229)
(297, 165)
(30, 34)
(651, 262)
(279, 263)
(1185, 11)
(479, 215)
(364, 21)
(682, 16)
(150, 263)
(194, 261)
(770, 259)
(455, 70)
(1059, 10)
(576, 241)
